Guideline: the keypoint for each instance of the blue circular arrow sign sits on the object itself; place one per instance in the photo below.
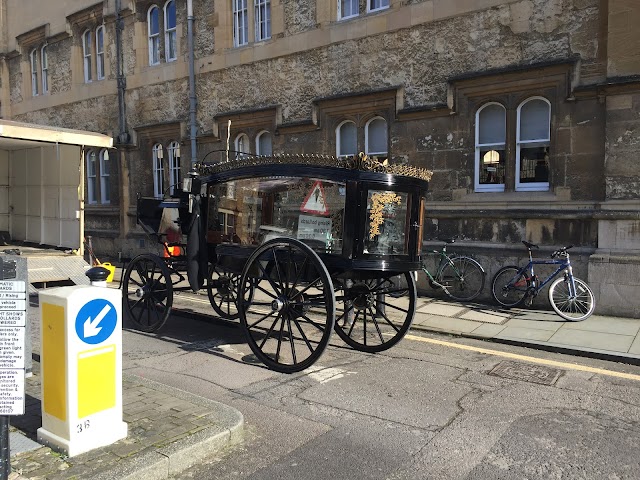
(96, 321)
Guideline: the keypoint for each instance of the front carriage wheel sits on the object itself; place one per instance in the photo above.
(374, 314)
(147, 292)
(222, 289)
(289, 318)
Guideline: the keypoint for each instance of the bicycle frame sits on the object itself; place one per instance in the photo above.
(564, 264)
(444, 260)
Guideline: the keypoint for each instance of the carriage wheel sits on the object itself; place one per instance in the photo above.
(147, 292)
(373, 315)
(222, 289)
(288, 320)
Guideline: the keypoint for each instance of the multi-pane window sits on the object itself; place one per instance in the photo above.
(240, 23)
(44, 69)
(375, 135)
(98, 183)
(263, 19)
(100, 53)
(86, 54)
(92, 178)
(170, 41)
(491, 133)
(264, 144)
(347, 8)
(373, 5)
(346, 139)
(174, 167)
(242, 144)
(105, 184)
(532, 144)
(33, 61)
(153, 26)
(158, 171)
(526, 168)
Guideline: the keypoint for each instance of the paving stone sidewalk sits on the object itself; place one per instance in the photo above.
(599, 336)
(168, 431)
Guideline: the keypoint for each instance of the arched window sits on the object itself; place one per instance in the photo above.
(92, 177)
(264, 145)
(532, 145)
(158, 171)
(174, 166)
(170, 41)
(44, 69)
(153, 28)
(86, 53)
(375, 134)
(105, 184)
(242, 144)
(346, 139)
(490, 155)
(33, 60)
(100, 53)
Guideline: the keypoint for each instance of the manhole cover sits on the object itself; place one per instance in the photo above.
(526, 372)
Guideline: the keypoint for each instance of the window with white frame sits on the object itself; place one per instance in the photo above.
(92, 177)
(86, 54)
(490, 158)
(105, 183)
(100, 53)
(263, 19)
(158, 171)
(170, 39)
(373, 5)
(44, 69)
(264, 144)
(375, 137)
(533, 139)
(153, 30)
(523, 168)
(242, 144)
(33, 61)
(240, 23)
(346, 139)
(347, 9)
(174, 167)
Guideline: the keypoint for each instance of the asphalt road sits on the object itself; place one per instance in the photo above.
(432, 407)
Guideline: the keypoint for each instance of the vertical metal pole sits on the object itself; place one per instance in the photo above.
(192, 84)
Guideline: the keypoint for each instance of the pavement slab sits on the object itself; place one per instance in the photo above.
(169, 430)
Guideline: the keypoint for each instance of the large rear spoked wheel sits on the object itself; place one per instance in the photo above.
(510, 287)
(147, 292)
(463, 278)
(374, 314)
(573, 307)
(289, 318)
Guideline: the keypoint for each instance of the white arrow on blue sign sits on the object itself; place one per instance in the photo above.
(96, 321)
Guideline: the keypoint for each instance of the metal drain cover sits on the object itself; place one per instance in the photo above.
(526, 372)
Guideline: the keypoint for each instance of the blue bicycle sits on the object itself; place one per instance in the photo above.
(570, 297)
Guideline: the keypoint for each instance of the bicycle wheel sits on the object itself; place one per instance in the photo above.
(463, 277)
(574, 308)
(509, 286)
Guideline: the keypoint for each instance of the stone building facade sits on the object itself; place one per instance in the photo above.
(525, 110)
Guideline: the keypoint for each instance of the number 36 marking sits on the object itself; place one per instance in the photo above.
(81, 427)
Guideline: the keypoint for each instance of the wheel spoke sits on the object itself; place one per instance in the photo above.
(375, 322)
(266, 337)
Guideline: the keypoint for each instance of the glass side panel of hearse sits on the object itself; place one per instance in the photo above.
(254, 210)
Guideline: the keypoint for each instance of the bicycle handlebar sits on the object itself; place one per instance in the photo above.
(561, 252)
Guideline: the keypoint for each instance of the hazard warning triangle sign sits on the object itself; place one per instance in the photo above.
(315, 201)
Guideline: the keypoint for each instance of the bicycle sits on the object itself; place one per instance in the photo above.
(570, 297)
(460, 277)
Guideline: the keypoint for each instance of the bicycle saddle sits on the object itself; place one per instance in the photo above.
(529, 245)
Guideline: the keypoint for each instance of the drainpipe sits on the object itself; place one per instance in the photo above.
(192, 85)
(123, 137)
